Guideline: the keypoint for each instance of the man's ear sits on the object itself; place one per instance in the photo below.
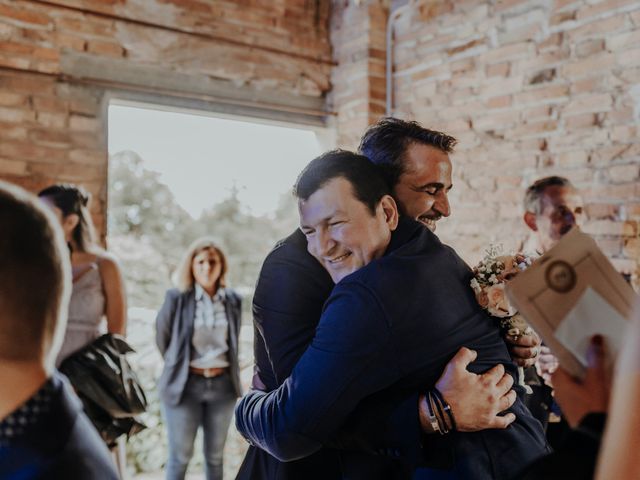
(390, 211)
(530, 220)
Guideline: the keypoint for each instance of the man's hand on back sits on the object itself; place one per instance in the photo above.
(475, 400)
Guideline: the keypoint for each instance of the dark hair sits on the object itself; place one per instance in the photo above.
(385, 143)
(366, 178)
(536, 190)
(73, 199)
(34, 276)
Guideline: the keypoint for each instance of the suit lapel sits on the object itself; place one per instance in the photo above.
(188, 313)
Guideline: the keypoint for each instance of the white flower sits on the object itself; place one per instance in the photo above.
(493, 279)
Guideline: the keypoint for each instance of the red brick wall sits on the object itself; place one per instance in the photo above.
(530, 89)
(53, 129)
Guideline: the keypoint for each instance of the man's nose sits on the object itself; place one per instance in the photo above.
(325, 243)
(441, 204)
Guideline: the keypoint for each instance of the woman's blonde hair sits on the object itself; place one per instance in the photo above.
(183, 275)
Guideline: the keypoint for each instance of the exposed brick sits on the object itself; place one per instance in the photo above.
(590, 11)
(508, 52)
(50, 138)
(590, 47)
(611, 247)
(608, 154)
(623, 40)
(568, 16)
(576, 122)
(29, 151)
(629, 58)
(587, 85)
(10, 99)
(502, 87)
(633, 210)
(13, 130)
(609, 227)
(66, 40)
(631, 248)
(13, 167)
(52, 120)
(553, 41)
(84, 124)
(597, 28)
(624, 134)
(540, 94)
(23, 16)
(599, 211)
(601, 102)
(499, 102)
(16, 115)
(498, 70)
(573, 158)
(624, 173)
(589, 66)
(49, 104)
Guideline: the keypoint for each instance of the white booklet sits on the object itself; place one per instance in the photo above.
(570, 294)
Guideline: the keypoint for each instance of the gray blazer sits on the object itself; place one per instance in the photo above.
(174, 330)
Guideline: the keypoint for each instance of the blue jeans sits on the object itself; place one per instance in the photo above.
(206, 402)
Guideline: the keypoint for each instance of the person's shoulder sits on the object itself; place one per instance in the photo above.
(290, 249)
(108, 263)
(232, 295)
(290, 263)
(80, 453)
(174, 293)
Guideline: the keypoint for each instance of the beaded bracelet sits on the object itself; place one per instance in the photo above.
(447, 409)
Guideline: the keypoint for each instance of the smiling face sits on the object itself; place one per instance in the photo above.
(342, 233)
(207, 268)
(421, 191)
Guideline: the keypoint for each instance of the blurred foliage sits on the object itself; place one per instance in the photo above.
(143, 210)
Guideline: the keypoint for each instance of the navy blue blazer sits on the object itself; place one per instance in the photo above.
(61, 444)
(394, 323)
(174, 331)
(287, 304)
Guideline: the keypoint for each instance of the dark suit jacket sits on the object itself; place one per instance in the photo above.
(174, 331)
(62, 444)
(287, 304)
(395, 322)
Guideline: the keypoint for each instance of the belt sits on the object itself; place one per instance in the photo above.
(208, 372)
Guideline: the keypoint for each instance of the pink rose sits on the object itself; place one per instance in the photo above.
(482, 298)
(498, 304)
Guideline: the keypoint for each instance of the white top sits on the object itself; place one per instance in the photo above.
(210, 331)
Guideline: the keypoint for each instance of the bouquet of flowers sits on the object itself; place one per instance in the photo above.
(490, 277)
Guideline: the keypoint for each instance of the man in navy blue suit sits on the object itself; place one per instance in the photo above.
(287, 304)
(400, 311)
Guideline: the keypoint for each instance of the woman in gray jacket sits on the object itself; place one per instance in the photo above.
(197, 333)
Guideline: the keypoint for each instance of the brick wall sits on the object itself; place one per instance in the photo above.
(530, 88)
(53, 126)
